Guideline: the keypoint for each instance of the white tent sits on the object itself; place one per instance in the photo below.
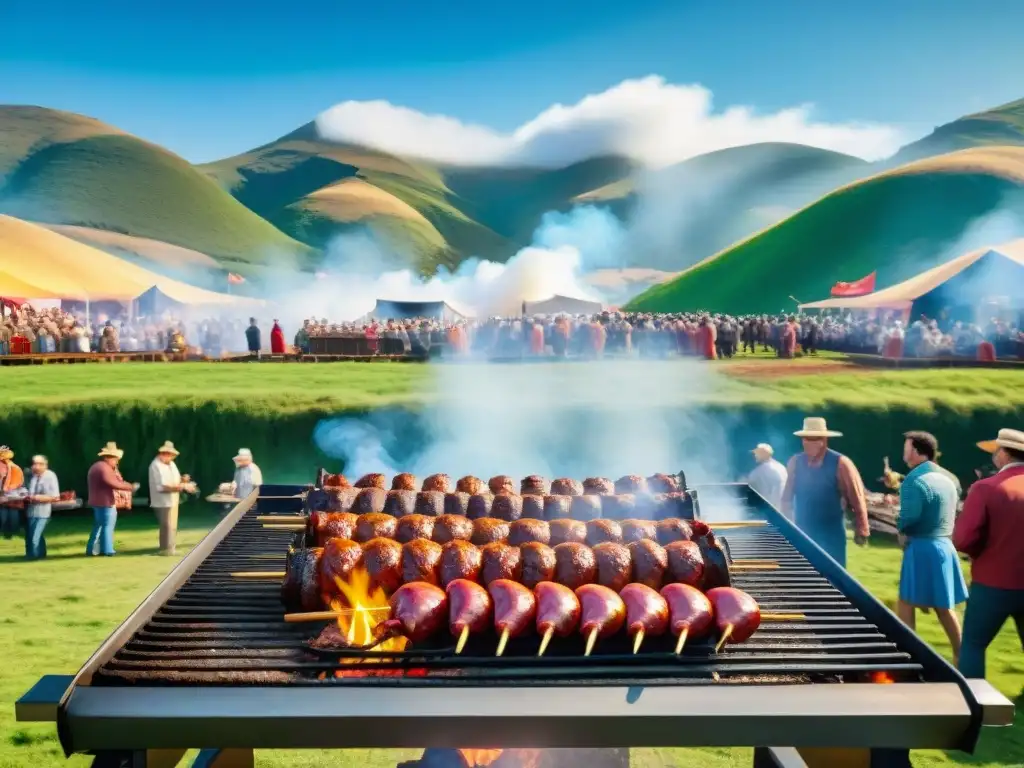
(562, 304)
(401, 310)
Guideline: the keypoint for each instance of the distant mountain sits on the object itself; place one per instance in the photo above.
(897, 222)
(1001, 126)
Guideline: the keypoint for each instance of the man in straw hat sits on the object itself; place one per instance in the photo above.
(11, 480)
(820, 481)
(991, 531)
(248, 476)
(165, 487)
(770, 476)
(103, 480)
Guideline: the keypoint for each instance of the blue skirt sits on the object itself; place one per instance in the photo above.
(931, 576)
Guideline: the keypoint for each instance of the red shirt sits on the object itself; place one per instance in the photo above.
(103, 481)
(991, 529)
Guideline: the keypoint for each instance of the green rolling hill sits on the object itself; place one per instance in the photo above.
(897, 222)
(1000, 126)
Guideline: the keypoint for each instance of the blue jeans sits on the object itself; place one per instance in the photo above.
(35, 543)
(103, 521)
(9, 521)
(988, 608)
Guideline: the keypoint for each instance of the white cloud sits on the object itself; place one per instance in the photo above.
(652, 121)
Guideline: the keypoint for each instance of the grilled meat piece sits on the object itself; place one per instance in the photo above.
(439, 482)
(533, 485)
(650, 562)
(646, 610)
(564, 530)
(456, 503)
(716, 564)
(479, 506)
(421, 561)
(414, 527)
(736, 613)
(469, 484)
(418, 611)
(586, 507)
(538, 563)
(673, 529)
(660, 483)
(469, 607)
(370, 500)
(501, 484)
(301, 579)
(619, 507)
(533, 507)
(383, 560)
(523, 531)
(487, 530)
(675, 504)
(557, 507)
(336, 481)
(459, 560)
(602, 611)
(341, 499)
(372, 480)
(339, 559)
(507, 506)
(689, 609)
(515, 607)
(614, 565)
(635, 530)
(500, 561)
(566, 486)
(558, 609)
(450, 527)
(375, 525)
(404, 481)
(685, 563)
(430, 503)
(400, 503)
(600, 531)
(631, 484)
(335, 525)
(598, 486)
(575, 565)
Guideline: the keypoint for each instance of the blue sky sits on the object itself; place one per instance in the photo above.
(209, 79)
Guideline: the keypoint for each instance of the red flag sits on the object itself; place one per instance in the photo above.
(861, 287)
(234, 279)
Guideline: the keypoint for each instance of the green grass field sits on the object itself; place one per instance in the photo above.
(53, 614)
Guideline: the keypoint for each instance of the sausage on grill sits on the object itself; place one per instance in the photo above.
(403, 481)
(716, 566)
(414, 527)
(500, 561)
(421, 560)
(456, 504)
(564, 530)
(557, 507)
(673, 529)
(538, 563)
(685, 563)
(372, 480)
(602, 613)
(675, 504)
(523, 531)
(586, 507)
(479, 506)
(501, 484)
(647, 612)
(619, 507)
(336, 481)
(558, 610)
(600, 531)
(631, 484)
(598, 486)
(450, 527)
(469, 484)
(635, 530)
(737, 614)
(339, 559)
(690, 611)
(533, 507)
(661, 483)
(566, 486)
(375, 525)
(469, 609)
(575, 565)
(341, 499)
(440, 483)
(459, 560)
(370, 500)
(487, 530)
(507, 506)
(650, 562)
(418, 611)
(614, 565)
(400, 503)
(430, 503)
(515, 608)
(533, 485)
(383, 560)
(335, 525)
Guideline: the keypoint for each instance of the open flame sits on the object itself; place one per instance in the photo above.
(362, 608)
(881, 677)
(480, 757)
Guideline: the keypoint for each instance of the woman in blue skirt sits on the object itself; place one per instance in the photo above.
(931, 576)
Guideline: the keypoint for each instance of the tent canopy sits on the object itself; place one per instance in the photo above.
(558, 304)
(968, 278)
(386, 309)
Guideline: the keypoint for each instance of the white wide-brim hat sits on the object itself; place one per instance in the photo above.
(816, 427)
(1007, 438)
(168, 447)
(111, 449)
(763, 450)
(244, 454)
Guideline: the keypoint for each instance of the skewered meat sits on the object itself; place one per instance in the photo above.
(598, 486)
(507, 506)
(660, 483)
(631, 484)
(647, 612)
(479, 506)
(456, 504)
(450, 527)
(459, 560)
(533, 485)
(414, 527)
(335, 525)
(341, 499)
(575, 565)
(336, 481)
(339, 559)
(737, 614)
(372, 480)
(500, 561)
(685, 563)
(383, 560)
(418, 611)
(602, 613)
(619, 507)
(439, 482)
(600, 531)
(400, 503)
(557, 507)
(404, 481)
(566, 486)
(650, 562)
(614, 565)
(430, 503)
(673, 529)
(565, 530)
(538, 563)
(533, 507)
(469, 484)
(301, 584)
(501, 484)
(469, 609)
(635, 530)
(370, 500)
(421, 561)
(586, 507)
(558, 611)
(689, 610)
(375, 525)
(523, 531)
(515, 608)
(487, 530)
(676, 504)
(716, 565)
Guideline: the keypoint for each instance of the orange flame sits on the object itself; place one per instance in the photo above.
(480, 757)
(882, 678)
(362, 608)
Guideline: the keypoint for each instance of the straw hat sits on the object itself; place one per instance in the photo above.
(244, 454)
(168, 447)
(816, 427)
(6, 453)
(763, 451)
(111, 449)
(1007, 438)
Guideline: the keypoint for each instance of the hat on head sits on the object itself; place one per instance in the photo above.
(111, 449)
(763, 451)
(816, 427)
(1007, 438)
(168, 447)
(243, 453)
(6, 453)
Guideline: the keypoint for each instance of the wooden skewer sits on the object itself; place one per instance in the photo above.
(754, 567)
(285, 526)
(591, 641)
(548, 634)
(463, 637)
(258, 575)
(638, 641)
(682, 640)
(754, 561)
(280, 519)
(783, 617)
(502, 642)
(298, 618)
(738, 524)
(725, 637)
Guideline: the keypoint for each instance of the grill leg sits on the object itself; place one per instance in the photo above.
(224, 758)
(787, 757)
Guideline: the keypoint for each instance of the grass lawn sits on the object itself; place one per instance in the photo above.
(53, 614)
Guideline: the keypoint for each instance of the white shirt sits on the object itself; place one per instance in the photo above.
(246, 479)
(161, 475)
(769, 480)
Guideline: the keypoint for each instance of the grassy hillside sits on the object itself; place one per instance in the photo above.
(897, 222)
(64, 169)
(1002, 125)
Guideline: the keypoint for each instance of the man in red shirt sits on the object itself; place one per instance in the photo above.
(991, 531)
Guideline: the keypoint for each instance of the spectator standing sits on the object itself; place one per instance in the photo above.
(991, 531)
(43, 491)
(165, 487)
(930, 576)
(252, 337)
(248, 477)
(820, 480)
(769, 477)
(104, 478)
(11, 479)
(302, 338)
(276, 340)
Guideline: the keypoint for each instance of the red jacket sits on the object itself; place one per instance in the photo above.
(103, 481)
(991, 529)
